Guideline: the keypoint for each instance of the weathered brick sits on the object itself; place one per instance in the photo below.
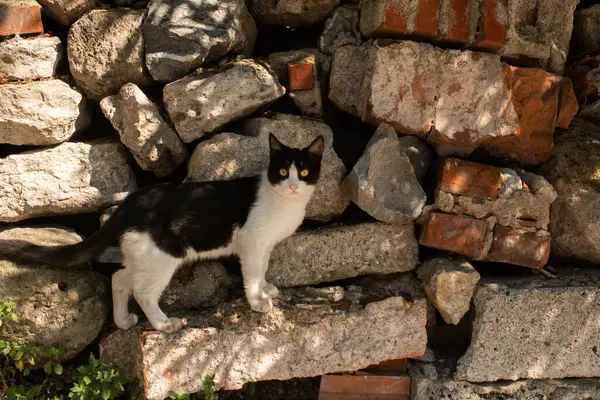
(455, 233)
(301, 76)
(20, 20)
(427, 18)
(492, 25)
(468, 178)
(383, 18)
(534, 97)
(526, 249)
(364, 387)
(458, 21)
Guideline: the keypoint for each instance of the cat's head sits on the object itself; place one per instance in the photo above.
(294, 172)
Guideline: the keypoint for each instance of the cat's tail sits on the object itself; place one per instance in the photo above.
(23, 252)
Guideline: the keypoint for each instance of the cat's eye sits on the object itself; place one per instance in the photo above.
(283, 172)
(304, 172)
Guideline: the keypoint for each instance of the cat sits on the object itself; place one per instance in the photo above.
(160, 227)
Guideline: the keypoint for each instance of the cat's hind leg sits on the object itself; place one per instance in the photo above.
(122, 288)
(152, 271)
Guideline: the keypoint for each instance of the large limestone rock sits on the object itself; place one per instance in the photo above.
(229, 156)
(572, 169)
(153, 143)
(204, 103)
(534, 328)
(67, 11)
(71, 178)
(437, 95)
(340, 252)
(22, 59)
(384, 183)
(433, 382)
(182, 35)
(65, 308)
(309, 333)
(292, 12)
(41, 113)
(450, 285)
(106, 51)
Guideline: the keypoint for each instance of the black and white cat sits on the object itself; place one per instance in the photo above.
(160, 227)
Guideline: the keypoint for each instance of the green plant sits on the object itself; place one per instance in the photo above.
(208, 392)
(97, 381)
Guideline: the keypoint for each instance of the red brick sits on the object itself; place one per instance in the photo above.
(365, 387)
(301, 76)
(455, 233)
(534, 95)
(466, 178)
(519, 248)
(394, 20)
(396, 367)
(567, 104)
(492, 25)
(427, 18)
(458, 24)
(22, 20)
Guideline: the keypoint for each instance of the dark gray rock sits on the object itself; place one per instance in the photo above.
(181, 35)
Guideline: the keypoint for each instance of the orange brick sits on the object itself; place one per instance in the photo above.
(458, 24)
(455, 233)
(468, 178)
(492, 30)
(20, 20)
(427, 18)
(301, 76)
(519, 248)
(394, 20)
(396, 367)
(365, 387)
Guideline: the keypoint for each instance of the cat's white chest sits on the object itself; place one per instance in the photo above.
(273, 219)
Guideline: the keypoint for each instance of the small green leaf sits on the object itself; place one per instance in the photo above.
(87, 380)
(105, 394)
(58, 369)
(48, 367)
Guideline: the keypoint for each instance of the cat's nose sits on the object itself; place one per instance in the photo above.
(294, 188)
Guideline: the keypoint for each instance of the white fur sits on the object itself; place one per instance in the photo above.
(277, 213)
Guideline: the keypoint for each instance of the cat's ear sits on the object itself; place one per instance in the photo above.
(317, 146)
(274, 144)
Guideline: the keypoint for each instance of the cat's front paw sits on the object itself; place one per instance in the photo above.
(128, 322)
(172, 325)
(261, 305)
(271, 290)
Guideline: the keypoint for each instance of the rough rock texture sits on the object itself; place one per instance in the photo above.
(56, 307)
(547, 38)
(305, 335)
(437, 94)
(204, 103)
(181, 35)
(196, 285)
(67, 11)
(339, 252)
(591, 112)
(572, 169)
(228, 156)
(41, 113)
(534, 328)
(22, 59)
(153, 143)
(71, 178)
(340, 30)
(433, 382)
(449, 285)
(106, 51)
(292, 12)
(383, 182)
(586, 30)
(308, 101)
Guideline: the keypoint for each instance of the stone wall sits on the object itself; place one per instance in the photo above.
(460, 175)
